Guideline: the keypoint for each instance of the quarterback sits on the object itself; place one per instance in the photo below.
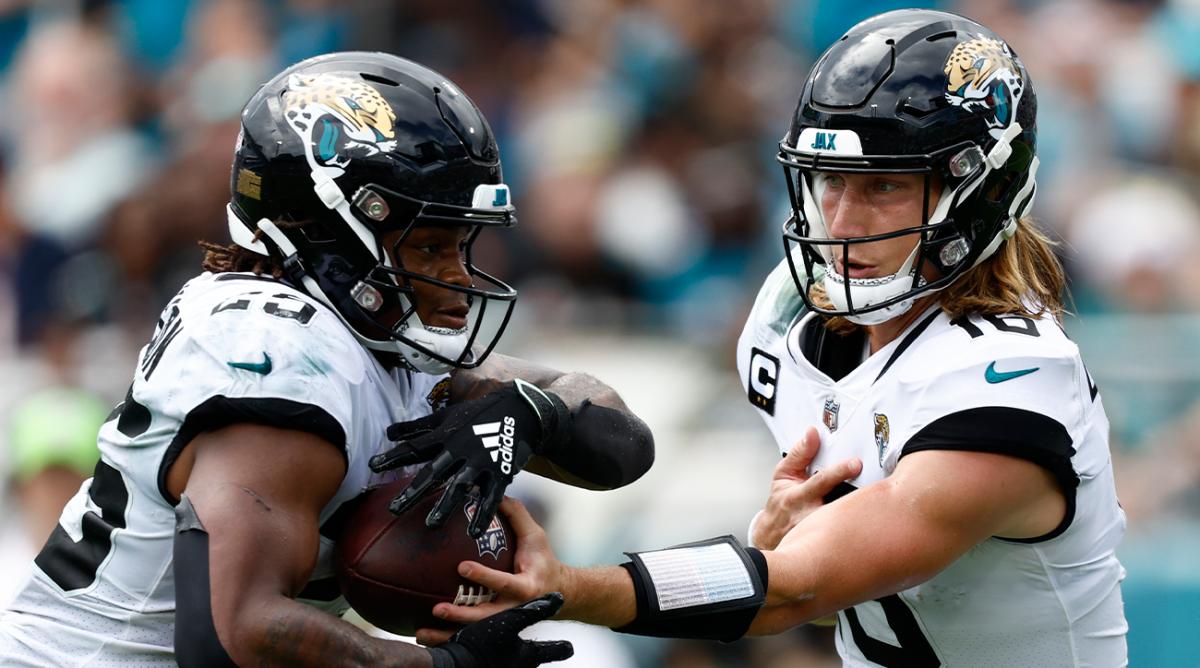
(347, 314)
(950, 493)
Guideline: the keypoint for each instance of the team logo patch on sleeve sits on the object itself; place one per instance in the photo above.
(882, 433)
(763, 380)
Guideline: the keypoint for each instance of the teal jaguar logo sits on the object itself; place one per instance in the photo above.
(983, 77)
(340, 118)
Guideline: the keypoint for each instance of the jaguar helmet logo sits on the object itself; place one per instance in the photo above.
(983, 77)
(340, 118)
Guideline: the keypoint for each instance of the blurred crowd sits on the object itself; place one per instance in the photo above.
(639, 139)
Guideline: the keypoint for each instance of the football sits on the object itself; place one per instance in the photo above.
(393, 569)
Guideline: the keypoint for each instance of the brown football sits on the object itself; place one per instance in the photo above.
(393, 569)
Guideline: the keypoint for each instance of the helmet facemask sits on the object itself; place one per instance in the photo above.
(945, 240)
(489, 300)
(381, 305)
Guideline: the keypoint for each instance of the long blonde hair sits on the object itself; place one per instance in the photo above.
(1023, 277)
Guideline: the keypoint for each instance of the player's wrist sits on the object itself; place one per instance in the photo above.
(599, 596)
(565, 581)
(550, 412)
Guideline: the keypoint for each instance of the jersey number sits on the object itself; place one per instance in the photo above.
(914, 650)
(281, 306)
(72, 564)
(1017, 324)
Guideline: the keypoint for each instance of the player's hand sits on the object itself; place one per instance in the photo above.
(493, 641)
(794, 493)
(535, 571)
(480, 443)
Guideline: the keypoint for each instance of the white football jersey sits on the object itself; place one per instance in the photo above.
(229, 348)
(1007, 384)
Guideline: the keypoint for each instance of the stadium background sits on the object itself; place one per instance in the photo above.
(639, 139)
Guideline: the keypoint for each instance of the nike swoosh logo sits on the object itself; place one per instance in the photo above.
(993, 376)
(263, 367)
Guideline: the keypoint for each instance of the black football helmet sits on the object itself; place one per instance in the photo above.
(356, 145)
(911, 91)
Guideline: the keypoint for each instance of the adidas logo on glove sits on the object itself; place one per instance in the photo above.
(499, 440)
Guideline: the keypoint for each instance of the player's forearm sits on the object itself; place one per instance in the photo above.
(846, 553)
(289, 633)
(601, 596)
(607, 446)
(794, 596)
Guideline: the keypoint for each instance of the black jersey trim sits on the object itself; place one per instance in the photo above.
(908, 341)
(221, 411)
(1007, 431)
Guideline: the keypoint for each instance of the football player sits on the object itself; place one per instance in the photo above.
(960, 509)
(349, 313)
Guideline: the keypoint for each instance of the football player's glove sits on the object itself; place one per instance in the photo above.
(494, 641)
(483, 442)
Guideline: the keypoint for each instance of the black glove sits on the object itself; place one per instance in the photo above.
(493, 642)
(484, 442)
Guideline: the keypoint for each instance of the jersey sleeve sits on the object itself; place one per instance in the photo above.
(1025, 406)
(265, 358)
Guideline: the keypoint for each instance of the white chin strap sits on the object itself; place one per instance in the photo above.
(867, 292)
(447, 343)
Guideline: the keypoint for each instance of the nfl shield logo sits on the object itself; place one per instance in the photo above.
(831, 414)
(493, 540)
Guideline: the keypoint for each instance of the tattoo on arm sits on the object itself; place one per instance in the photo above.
(297, 635)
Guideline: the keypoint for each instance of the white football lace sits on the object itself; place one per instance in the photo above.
(469, 597)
